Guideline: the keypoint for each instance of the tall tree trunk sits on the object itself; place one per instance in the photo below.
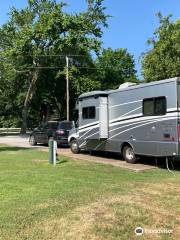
(28, 99)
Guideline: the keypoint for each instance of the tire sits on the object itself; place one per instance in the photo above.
(91, 152)
(129, 155)
(32, 140)
(74, 146)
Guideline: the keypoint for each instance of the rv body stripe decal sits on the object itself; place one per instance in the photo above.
(92, 135)
(153, 121)
(147, 120)
(88, 125)
(137, 116)
(85, 133)
(131, 111)
(125, 103)
(126, 118)
(121, 118)
(89, 128)
(128, 130)
(140, 121)
(131, 124)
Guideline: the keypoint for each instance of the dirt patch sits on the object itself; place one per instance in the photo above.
(112, 161)
(113, 217)
(48, 204)
(39, 160)
(107, 216)
(176, 232)
(78, 225)
(161, 188)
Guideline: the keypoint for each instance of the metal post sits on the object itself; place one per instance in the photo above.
(52, 151)
(67, 86)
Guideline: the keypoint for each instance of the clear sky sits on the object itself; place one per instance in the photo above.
(131, 24)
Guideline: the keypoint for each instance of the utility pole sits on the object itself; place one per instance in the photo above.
(67, 87)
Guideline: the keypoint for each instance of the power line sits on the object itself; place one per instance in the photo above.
(61, 67)
(44, 67)
(89, 68)
(52, 55)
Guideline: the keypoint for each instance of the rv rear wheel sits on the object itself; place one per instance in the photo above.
(128, 154)
(74, 146)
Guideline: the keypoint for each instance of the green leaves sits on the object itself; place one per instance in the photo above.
(86, 84)
(115, 67)
(32, 38)
(163, 60)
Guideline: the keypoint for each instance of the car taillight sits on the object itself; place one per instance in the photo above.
(60, 132)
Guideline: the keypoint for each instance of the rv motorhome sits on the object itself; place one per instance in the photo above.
(133, 120)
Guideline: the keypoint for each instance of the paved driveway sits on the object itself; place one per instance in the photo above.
(16, 140)
(22, 141)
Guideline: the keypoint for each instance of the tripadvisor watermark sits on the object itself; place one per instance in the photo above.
(140, 231)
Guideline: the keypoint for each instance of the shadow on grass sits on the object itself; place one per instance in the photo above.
(59, 161)
(160, 162)
(152, 161)
(3, 149)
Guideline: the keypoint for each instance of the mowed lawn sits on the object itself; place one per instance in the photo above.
(81, 200)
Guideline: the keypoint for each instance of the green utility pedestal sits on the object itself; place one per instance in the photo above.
(52, 151)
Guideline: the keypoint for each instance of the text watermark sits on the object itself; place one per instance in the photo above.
(140, 231)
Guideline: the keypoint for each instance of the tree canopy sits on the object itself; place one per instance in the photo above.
(115, 67)
(33, 46)
(163, 59)
(32, 40)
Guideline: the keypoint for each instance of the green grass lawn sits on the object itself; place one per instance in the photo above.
(81, 200)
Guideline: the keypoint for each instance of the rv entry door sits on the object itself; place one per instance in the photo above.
(103, 118)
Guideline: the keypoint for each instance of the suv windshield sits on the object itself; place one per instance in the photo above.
(66, 125)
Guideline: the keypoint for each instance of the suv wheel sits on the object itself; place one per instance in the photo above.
(74, 146)
(32, 141)
(128, 154)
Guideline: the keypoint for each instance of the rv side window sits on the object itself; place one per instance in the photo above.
(154, 106)
(160, 106)
(92, 112)
(148, 107)
(89, 112)
(85, 113)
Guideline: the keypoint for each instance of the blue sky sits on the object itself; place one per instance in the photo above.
(131, 24)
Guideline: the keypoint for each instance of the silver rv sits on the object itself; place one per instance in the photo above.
(141, 119)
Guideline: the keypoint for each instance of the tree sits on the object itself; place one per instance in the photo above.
(115, 67)
(163, 59)
(43, 29)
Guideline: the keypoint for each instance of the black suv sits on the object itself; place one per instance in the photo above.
(58, 130)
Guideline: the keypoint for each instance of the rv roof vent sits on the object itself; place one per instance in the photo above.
(126, 85)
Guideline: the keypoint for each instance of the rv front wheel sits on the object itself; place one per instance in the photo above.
(128, 154)
(74, 146)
